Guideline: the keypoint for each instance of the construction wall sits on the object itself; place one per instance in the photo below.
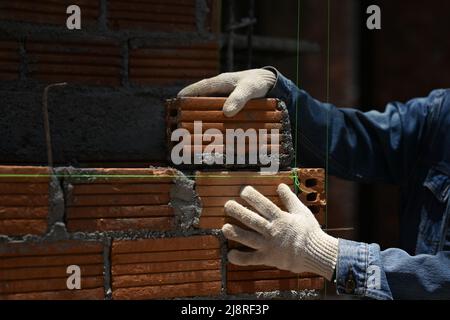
(137, 234)
(128, 57)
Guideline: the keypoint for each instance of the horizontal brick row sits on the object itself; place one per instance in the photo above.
(166, 268)
(48, 11)
(258, 114)
(95, 204)
(89, 61)
(155, 15)
(24, 200)
(171, 64)
(39, 270)
(9, 59)
(215, 188)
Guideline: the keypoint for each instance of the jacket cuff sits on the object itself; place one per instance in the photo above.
(359, 271)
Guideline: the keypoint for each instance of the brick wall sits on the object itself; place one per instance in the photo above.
(128, 57)
(136, 233)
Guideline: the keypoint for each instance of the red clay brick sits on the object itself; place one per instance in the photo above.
(92, 225)
(23, 213)
(92, 61)
(42, 261)
(23, 188)
(118, 199)
(88, 294)
(171, 266)
(216, 104)
(119, 212)
(222, 127)
(182, 255)
(243, 116)
(119, 188)
(269, 273)
(188, 266)
(241, 178)
(220, 201)
(167, 278)
(24, 200)
(38, 270)
(165, 244)
(24, 174)
(169, 291)
(9, 59)
(18, 227)
(50, 248)
(177, 66)
(155, 16)
(20, 286)
(237, 287)
(212, 222)
(47, 12)
(47, 272)
(126, 175)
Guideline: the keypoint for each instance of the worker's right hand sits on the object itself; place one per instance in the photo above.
(240, 86)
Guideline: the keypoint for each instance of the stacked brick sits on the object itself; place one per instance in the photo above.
(119, 199)
(24, 200)
(160, 15)
(39, 271)
(166, 268)
(215, 188)
(261, 114)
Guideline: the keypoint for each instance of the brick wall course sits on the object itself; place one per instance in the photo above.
(182, 112)
(182, 277)
(88, 61)
(24, 200)
(162, 65)
(168, 16)
(119, 199)
(38, 270)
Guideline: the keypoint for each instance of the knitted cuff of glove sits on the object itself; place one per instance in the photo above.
(322, 253)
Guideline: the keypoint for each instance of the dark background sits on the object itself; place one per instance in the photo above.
(407, 58)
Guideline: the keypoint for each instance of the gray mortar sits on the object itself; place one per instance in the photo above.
(185, 202)
(56, 201)
(201, 15)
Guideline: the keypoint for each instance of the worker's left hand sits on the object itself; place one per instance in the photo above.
(291, 240)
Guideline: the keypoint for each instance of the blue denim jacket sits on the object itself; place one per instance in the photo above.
(407, 145)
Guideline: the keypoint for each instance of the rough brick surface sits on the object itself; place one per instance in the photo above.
(47, 12)
(166, 268)
(24, 200)
(94, 61)
(215, 188)
(38, 271)
(173, 64)
(119, 199)
(157, 15)
(9, 59)
(257, 114)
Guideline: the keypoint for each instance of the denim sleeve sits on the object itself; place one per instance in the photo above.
(363, 270)
(362, 146)
(360, 272)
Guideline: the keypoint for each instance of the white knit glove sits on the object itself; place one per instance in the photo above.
(240, 86)
(290, 241)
